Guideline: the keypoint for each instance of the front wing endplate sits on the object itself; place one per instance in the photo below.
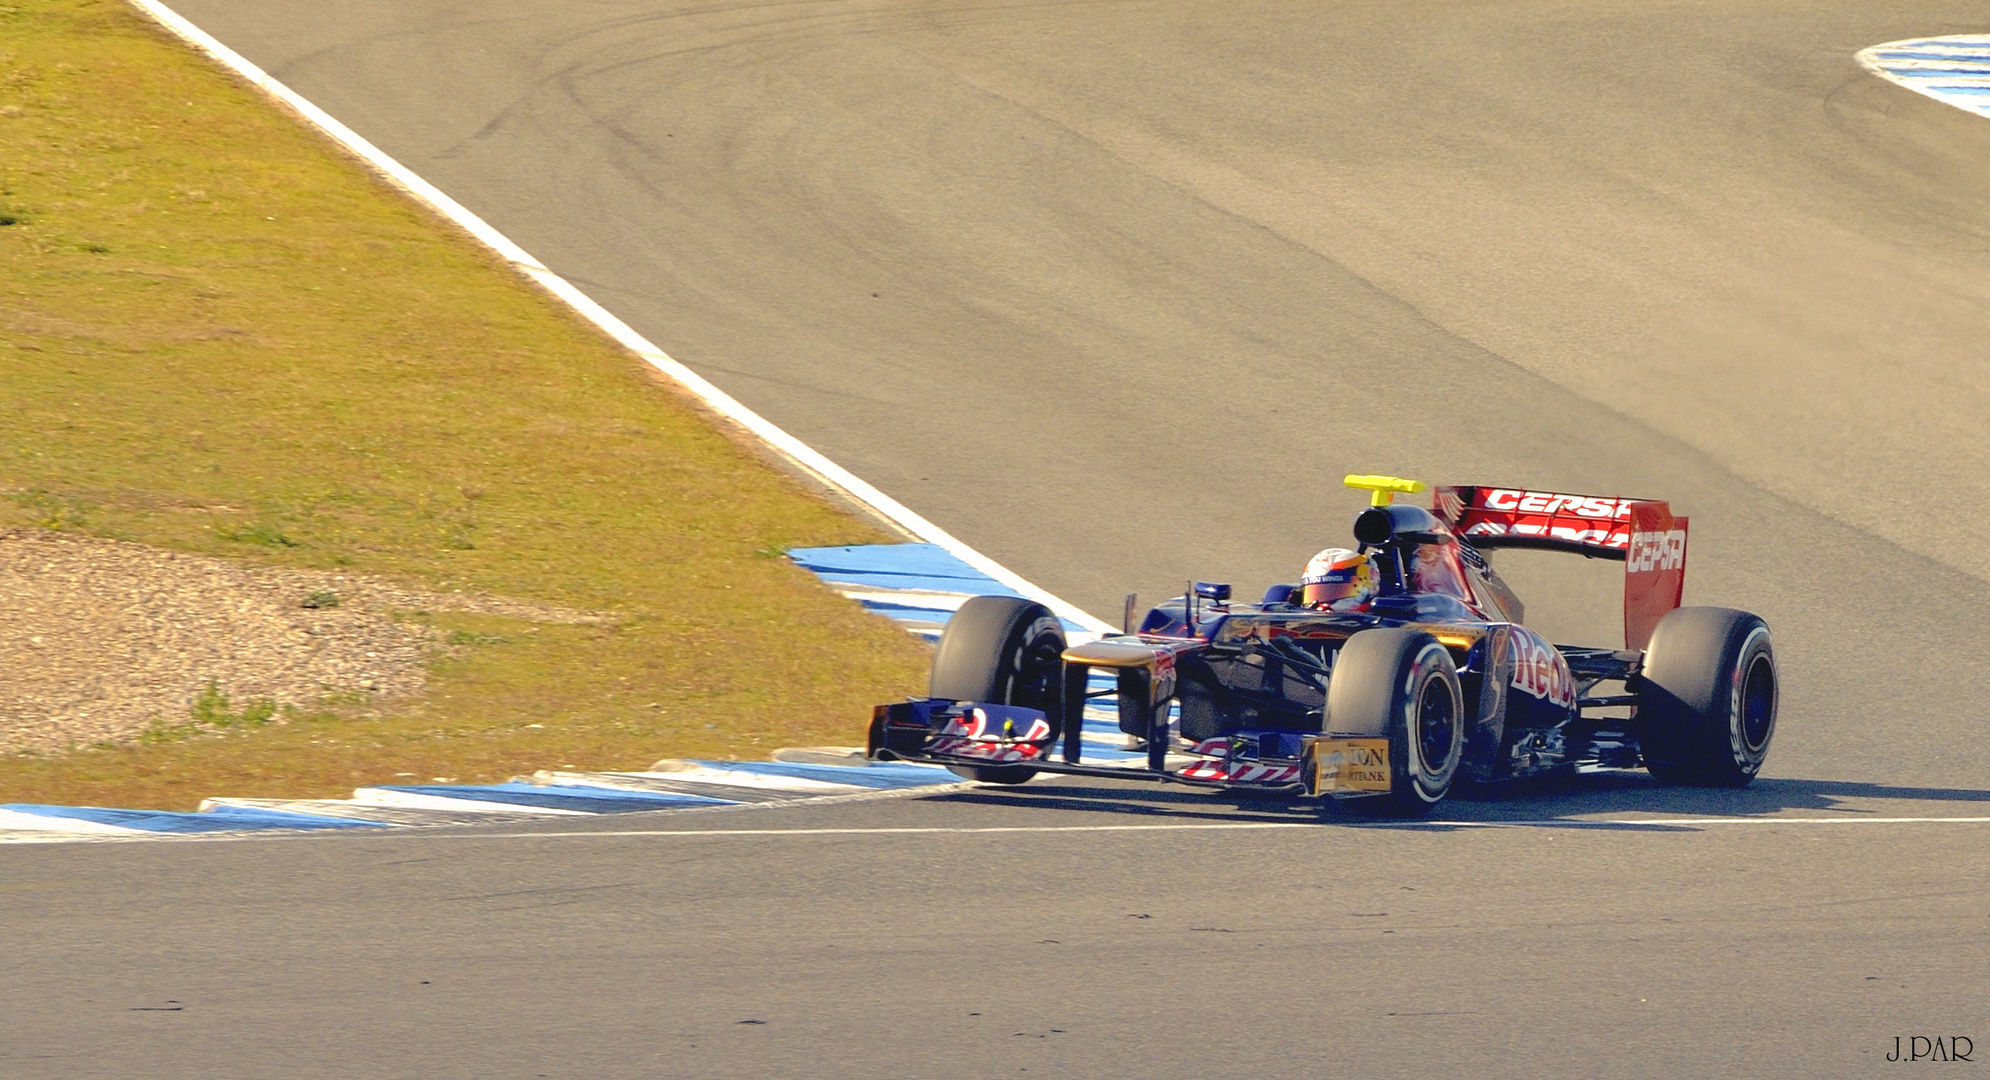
(1350, 766)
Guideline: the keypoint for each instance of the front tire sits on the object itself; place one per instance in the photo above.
(1403, 683)
(1708, 704)
(1004, 650)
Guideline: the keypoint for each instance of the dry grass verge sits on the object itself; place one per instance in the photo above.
(221, 337)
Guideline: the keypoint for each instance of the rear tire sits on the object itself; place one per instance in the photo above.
(1006, 651)
(1402, 682)
(1710, 689)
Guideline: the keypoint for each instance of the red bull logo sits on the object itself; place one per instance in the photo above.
(1539, 670)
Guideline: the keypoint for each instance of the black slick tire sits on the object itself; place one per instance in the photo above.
(1402, 682)
(1709, 688)
(1007, 651)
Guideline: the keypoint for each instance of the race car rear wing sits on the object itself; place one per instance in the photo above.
(1641, 532)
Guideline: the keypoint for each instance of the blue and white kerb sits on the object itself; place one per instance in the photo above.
(1954, 70)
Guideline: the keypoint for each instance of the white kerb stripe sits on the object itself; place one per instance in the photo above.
(748, 779)
(796, 451)
(906, 598)
(15, 820)
(417, 801)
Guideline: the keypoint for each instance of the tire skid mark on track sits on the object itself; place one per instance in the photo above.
(796, 452)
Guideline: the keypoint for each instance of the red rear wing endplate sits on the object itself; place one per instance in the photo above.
(1641, 532)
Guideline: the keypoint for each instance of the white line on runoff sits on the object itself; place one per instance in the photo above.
(796, 451)
(1218, 826)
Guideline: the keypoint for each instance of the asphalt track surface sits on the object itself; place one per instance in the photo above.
(1115, 292)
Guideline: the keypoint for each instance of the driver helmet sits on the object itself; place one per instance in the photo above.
(1338, 574)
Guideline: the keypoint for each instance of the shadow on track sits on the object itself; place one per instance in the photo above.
(1553, 802)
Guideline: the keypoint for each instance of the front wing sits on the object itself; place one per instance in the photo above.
(938, 731)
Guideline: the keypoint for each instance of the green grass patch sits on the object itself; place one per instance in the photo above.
(220, 335)
(211, 708)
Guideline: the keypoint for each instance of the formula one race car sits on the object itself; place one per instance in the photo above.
(1387, 674)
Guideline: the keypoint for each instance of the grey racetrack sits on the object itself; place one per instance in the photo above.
(1116, 292)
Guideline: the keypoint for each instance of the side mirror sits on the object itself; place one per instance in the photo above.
(1213, 591)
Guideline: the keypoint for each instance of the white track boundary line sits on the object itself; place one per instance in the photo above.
(1223, 826)
(794, 450)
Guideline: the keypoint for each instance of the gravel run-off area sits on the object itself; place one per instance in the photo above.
(100, 639)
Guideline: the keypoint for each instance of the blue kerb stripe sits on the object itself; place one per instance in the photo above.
(898, 566)
(938, 616)
(172, 821)
(1971, 54)
(882, 776)
(600, 791)
(255, 817)
(904, 613)
(1940, 73)
(889, 567)
(562, 797)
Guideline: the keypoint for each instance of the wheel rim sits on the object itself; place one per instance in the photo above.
(1758, 703)
(1436, 726)
(1036, 677)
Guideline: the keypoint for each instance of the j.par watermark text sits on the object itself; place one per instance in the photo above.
(1932, 1048)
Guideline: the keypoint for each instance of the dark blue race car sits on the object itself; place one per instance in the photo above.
(1392, 670)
